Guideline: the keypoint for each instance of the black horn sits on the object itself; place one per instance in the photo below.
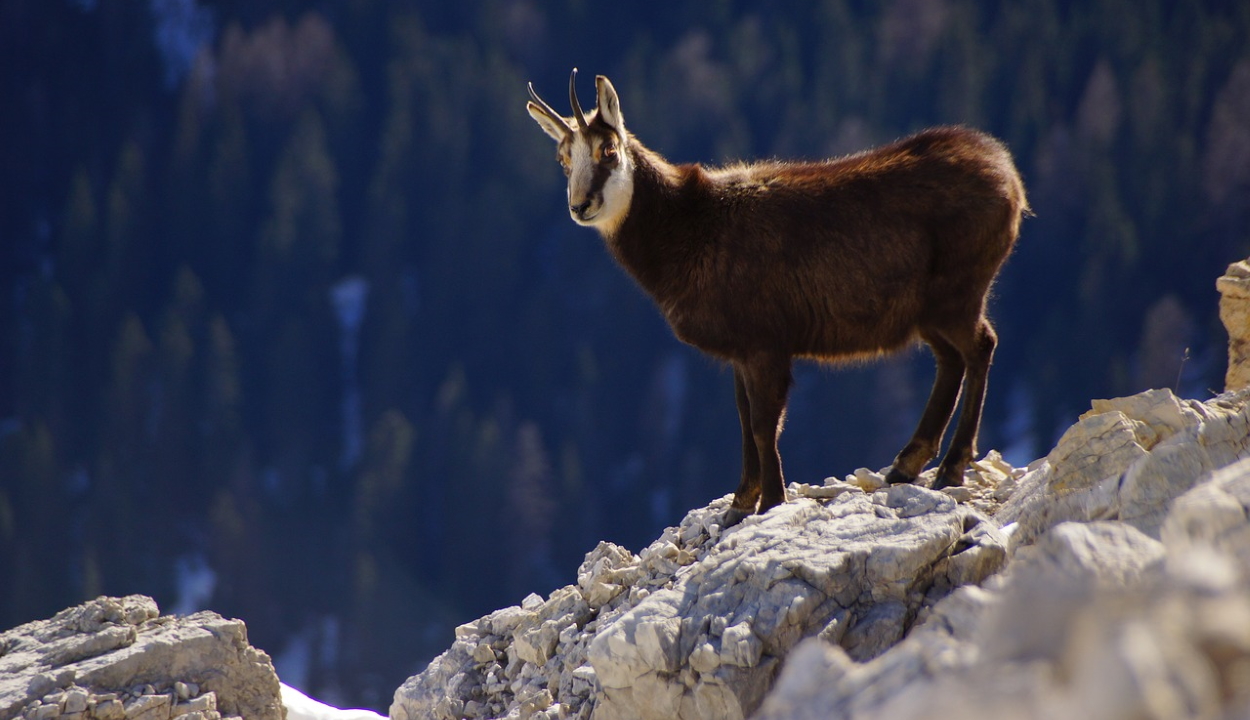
(577, 108)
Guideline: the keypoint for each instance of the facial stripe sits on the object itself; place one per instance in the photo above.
(598, 178)
(598, 193)
(588, 174)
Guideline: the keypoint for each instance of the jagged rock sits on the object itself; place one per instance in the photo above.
(607, 572)
(1094, 620)
(1127, 459)
(1234, 287)
(115, 658)
(708, 646)
(694, 626)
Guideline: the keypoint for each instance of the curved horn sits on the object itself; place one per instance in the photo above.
(547, 109)
(577, 108)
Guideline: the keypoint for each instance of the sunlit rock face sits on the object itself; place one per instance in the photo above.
(1127, 459)
(1093, 620)
(1027, 590)
(697, 624)
(1234, 287)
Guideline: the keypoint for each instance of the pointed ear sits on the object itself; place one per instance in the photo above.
(557, 129)
(610, 105)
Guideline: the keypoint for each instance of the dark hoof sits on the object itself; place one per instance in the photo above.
(898, 477)
(765, 507)
(733, 516)
(945, 481)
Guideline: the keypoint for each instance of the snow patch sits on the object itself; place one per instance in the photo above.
(301, 707)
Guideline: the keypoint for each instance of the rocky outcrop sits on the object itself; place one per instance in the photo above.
(697, 624)
(1127, 544)
(1126, 595)
(855, 570)
(1234, 289)
(120, 659)
(1127, 459)
(1094, 620)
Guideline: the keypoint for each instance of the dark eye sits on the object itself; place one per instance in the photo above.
(608, 153)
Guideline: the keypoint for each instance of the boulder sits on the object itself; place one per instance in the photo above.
(120, 659)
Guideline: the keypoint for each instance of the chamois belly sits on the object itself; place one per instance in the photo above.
(811, 327)
(858, 342)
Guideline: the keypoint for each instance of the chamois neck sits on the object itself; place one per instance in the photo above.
(653, 179)
(650, 242)
(653, 170)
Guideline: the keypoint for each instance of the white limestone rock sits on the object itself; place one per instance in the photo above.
(1092, 620)
(606, 572)
(695, 624)
(891, 602)
(1127, 459)
(866, 480)
(540, 647)
(79, 663)
(709, 645)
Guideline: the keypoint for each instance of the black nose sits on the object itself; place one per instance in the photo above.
(579, 209)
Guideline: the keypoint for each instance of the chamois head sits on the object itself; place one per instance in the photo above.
(592, 149)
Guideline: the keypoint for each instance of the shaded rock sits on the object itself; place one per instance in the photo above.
(607, 571)
(88, 661)
(450, 675)
(540, 667)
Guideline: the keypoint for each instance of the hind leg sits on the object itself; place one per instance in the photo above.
(927, 439)
(978, 354)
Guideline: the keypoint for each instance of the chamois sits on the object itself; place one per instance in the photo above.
(852, 257)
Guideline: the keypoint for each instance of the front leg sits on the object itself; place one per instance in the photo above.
(748, 494)
(766, 381)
